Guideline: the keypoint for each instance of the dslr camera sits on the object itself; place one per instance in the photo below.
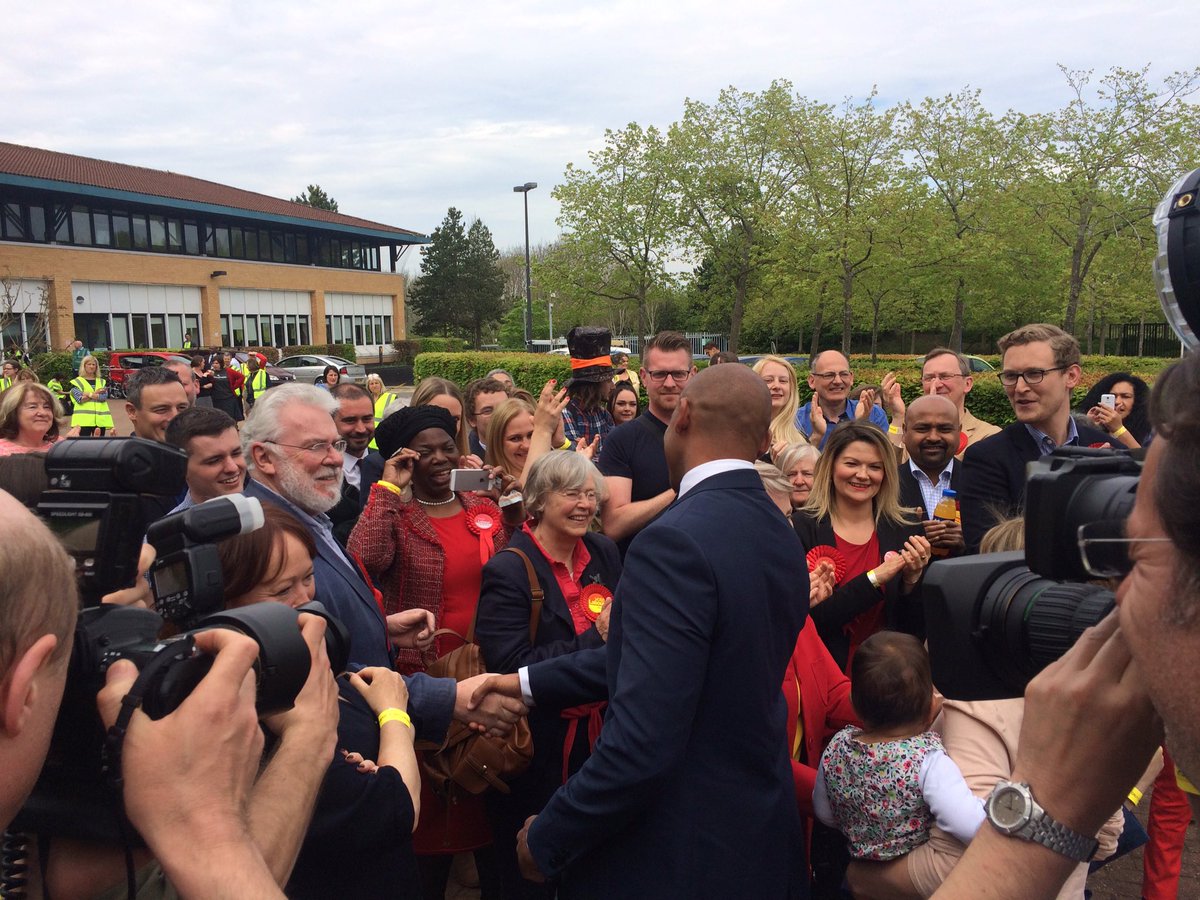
(95, 506)
(994, 621)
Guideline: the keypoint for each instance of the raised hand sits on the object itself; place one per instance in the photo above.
(893, 400)
(398, 469)
(821, 582)
(819, 425)
(865, 401)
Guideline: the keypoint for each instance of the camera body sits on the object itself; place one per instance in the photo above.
(994, 621)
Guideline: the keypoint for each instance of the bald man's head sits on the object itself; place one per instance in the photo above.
(931, 432)
(831, 379)
(724, 413)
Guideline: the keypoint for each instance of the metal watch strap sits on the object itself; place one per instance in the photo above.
(1058, 837)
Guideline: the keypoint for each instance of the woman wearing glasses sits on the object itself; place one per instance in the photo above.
(576, 570)
(854, 519)
(425, 545)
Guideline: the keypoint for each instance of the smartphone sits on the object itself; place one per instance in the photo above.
(470, 480)
(1109, 400)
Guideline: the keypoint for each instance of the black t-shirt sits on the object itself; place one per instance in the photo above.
(635, 451)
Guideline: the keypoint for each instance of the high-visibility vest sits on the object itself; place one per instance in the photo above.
(91, 413)
(256, 384)
(386, 399)
(5, 384)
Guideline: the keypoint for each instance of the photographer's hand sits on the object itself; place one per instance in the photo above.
(188, 776)
(140, 594)
(283, 797)
(1088, 732)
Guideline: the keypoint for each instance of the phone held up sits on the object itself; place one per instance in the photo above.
(471, 480)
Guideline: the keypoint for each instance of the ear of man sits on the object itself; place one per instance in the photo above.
(21, 690)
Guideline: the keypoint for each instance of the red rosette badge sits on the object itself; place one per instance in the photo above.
(824, 552)
(592, 599)
(962, 443)
(481, 523)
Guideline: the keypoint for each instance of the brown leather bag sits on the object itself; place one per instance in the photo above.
(469, 761)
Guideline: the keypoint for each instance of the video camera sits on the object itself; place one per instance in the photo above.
(994, 621)
(103, 528)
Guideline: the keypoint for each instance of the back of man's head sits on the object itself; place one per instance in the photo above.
(148, 377)
(730, 411)
(38, 603)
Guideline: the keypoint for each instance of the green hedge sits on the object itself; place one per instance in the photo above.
(435, 344)
(345, 351)
(56, 364)
(529, 370)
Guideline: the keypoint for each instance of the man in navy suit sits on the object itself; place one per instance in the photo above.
(688, 792)
(294, 454)
(1039, 370)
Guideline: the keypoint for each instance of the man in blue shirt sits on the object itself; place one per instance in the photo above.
(831, 379)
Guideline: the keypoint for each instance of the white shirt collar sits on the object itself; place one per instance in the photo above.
(709, 469)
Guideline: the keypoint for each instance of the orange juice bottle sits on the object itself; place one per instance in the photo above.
(946, 511)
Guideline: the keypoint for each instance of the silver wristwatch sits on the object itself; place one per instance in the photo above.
(1012, 810)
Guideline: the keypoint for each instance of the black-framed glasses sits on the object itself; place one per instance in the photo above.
(1104, 548)
(678, 375)
(829, 376)
(1031, 376)
(319, 447)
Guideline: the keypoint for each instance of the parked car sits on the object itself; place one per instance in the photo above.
(309, 369)
(123, 363)
(796, 362)
(563, 351)
(275, 375)
(977, 364)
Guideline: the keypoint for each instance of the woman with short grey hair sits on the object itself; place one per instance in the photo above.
(577, 570)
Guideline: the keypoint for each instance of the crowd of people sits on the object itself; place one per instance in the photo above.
(708, 609)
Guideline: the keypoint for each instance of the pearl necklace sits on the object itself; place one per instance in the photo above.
(449, 499)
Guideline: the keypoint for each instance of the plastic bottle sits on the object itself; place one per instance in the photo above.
(946, 511)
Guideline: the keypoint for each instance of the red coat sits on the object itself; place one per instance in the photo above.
(402, 553)
(236, 380)
(825, 695)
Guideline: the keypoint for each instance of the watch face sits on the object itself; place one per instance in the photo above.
(1009, 808)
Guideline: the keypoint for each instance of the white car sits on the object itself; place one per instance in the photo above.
(563, 351)
(309, 369)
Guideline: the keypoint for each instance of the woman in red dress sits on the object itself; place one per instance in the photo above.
(425, 547)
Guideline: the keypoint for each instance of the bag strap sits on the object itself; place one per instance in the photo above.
(535, 609)
(535, 592)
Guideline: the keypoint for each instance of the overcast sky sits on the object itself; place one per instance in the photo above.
(401, 110)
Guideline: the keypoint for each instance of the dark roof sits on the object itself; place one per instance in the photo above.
(51, 166)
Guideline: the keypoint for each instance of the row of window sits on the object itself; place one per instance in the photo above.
(48, 219)
(264, 331)
(360, 330)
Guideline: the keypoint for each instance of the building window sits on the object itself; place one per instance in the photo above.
(158, 233)
(237, 248)
(222, 238)
(158, 330)
(100, 228)
(387, 329)
(305, 337)
(225, 341)
(122, 231)
(120, 331)
(302, 251)
(252, 338)
(14, 225)
(141, 337)
(291, 331)
(37, 223)
(191, 238)
(239, 332)
(251, 243)
(278, 250)
(81, 228)
(174, 235)
(141, 234)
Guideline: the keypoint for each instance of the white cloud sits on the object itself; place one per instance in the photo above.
(401, 111)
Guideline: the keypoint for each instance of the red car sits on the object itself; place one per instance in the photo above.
(124, 363)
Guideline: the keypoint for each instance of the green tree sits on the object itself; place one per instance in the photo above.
(483, 300)
(315, 197)
(436, 296)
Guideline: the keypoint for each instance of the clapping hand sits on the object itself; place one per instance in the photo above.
(821, 582)
(817, 418)
(893, 401)
(865, 401)
(547, 415)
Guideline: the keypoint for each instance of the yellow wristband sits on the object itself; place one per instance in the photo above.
(389, 486)
(873, 578)
(566, 445)
(1120, 431)
(394, 715)
(892, 429)
(1135, 796)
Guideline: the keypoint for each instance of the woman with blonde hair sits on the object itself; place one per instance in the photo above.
(510, 433)
(853, 517)
(89, 393)
(780, 379)
(434, 391)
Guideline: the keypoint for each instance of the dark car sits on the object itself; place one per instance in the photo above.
(124, 363)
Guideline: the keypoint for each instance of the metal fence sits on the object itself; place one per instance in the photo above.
(696, 338)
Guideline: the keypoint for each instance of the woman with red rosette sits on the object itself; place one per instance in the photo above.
(425, 546)
(576, 570)
(853, 515)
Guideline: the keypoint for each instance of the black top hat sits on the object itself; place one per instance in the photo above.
(590, 358)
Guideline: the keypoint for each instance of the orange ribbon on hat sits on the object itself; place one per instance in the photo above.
(588, 363)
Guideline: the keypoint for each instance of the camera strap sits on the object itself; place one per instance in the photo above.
(114, 738)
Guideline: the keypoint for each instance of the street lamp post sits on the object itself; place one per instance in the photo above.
(550, 313)
(525, 189)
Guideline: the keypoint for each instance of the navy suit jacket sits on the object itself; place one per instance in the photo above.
(993, 477)
(371, 471)
(688, 791)
(344, 592)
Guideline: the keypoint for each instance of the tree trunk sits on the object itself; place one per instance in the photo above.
(1103, 333)
(1091, 322)
(739, 304)
(956, 331)
(847, 296)
(1141, 334)
(875, 329)
(641, 319)
(800, 340)
(818, 321)
(1076, 283)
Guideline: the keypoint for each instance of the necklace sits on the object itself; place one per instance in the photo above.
(449, 499)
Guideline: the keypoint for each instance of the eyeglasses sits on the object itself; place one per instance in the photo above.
(679, 376)
(1104, 549)
(829, 376)
(1031, 376)
(930, 379)
(320, 448)
(575, 495)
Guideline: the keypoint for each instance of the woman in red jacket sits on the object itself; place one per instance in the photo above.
(425, 546)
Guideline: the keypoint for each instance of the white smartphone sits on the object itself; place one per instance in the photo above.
(470, 480)
(1109, 400)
